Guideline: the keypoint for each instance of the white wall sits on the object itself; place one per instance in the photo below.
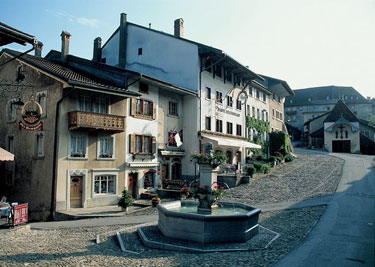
(111, 50)
(163, 57)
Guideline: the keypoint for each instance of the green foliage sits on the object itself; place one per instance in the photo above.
(266, 168)
(279, 142)
(288, 158)
(251, 171)
(215, 159)
(259, 125)
(126, 199)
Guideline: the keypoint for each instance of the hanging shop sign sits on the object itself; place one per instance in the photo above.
(31, 113)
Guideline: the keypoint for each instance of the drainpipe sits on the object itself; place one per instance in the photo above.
(55, 148)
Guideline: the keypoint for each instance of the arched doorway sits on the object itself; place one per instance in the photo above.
(229, 155)
(176, 169)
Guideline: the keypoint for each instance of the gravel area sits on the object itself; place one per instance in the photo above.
(76, 247)
(310, 175)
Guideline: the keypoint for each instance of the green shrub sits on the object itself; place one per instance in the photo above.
(266, 168)
(251, 171)
(288, 158)
(126, 199)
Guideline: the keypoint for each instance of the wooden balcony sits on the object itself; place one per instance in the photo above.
(82, 120)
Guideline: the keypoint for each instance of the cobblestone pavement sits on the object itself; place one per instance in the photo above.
(310, 175)
(76, 247)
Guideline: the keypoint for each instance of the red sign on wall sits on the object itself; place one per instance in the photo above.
(20, 213)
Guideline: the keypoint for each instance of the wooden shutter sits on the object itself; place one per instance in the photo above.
(132, 143)
(132, 106)
(153, 110)
(153, 145)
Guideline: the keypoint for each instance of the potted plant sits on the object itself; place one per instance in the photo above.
(126, 200)
(155, 201)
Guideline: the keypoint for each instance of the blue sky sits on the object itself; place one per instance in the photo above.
(307, 43)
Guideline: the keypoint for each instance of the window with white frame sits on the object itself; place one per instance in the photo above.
(142, 144)
(77, 146)
(105, 184)
(238, 104)
(248, 110)
(219, 97)
(208, 92)
(229, 101)
(84, 103)
(173, 108)
(41, 98)
(39, 145)
(106, 147)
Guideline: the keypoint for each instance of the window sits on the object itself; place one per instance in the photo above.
(10, 144)
(41, 98)
(229, 101)
(253, 111)
(139, 51)
(84, 103)
(281, 116)
(238, 104)
(100, 105)
(309, 99)
(265, 97)
(258, 114)
(143, 88)
(258, 94)
(279, 99)
(219, 126)
(149, 179)
(239, 129)
(219, 97)
(105, 147)
(291, 101)
(248, 110)
(143, 107)
(77, 146)
(229, 128)
(142, 144)
(263, 116)
(173, 108)
(251, 91)
(229, 76)
(273, 112)
(39, 146)
(208, 123)
(12, 113)
(207, 65)
(208, 92)
(218, 71)
(105, 184)
(337, 134)
(266, 116)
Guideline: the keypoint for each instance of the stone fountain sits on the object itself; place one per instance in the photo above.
(205, 220)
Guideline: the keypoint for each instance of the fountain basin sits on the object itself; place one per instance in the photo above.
(230, 222)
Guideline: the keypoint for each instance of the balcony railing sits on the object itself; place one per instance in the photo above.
(82, 120)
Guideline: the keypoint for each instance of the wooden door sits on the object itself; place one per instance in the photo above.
(76, 192)
(341, 146)
(164, 171)
(132, 184)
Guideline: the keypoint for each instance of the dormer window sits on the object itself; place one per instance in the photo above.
(20, 76)
(143, 88)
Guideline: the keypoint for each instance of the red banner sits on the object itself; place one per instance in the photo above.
(20, 214)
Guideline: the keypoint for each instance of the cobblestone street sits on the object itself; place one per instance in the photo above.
(308, 176)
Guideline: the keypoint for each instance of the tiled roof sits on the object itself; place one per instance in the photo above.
(324, 95)
(67, 74)
(341, 110)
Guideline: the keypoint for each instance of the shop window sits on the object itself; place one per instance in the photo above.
(149, 178)
(105, 147)
(142, 144)
(78, 145)
(105, 184)
(229, 128)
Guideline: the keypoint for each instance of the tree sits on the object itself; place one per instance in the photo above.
(372, 121)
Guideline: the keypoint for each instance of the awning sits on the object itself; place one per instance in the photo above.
(143, 165)
(222, 141)
(5, 155)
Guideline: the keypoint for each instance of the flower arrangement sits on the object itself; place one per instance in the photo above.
(214, 160)
(216, 193)
(155, 201)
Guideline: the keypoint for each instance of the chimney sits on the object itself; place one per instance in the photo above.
(179, 28)
(38, 49)
(65, 38)
(97, 50)
(123, 40)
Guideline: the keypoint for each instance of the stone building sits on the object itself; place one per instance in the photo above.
(340, 130)
(309, 103)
